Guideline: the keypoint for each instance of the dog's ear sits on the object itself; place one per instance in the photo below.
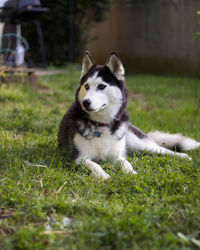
(87, 63)
(115, 65)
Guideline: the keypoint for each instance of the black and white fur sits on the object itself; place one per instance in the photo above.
(96, 126)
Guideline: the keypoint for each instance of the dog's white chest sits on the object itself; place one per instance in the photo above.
(107, 146)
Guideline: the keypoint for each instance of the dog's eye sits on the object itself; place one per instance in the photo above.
(87, 86)
(101, 86)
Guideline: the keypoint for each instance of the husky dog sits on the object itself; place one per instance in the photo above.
(96, 126)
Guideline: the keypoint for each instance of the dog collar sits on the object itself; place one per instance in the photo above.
(99, 124)
(97, 133)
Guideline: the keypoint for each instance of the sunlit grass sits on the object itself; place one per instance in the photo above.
(47, 202)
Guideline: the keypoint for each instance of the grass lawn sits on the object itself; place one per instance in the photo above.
(47, 202)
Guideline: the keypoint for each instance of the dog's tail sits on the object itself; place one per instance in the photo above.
(176, 142)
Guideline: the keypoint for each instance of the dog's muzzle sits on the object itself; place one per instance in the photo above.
(86, 104)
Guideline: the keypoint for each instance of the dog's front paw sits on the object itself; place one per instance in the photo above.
(130, 171)
(104, 176)
(96, 169)
(127, 168)
(185, 156)
(101, 175)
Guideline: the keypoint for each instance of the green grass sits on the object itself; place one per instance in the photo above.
(47, 202)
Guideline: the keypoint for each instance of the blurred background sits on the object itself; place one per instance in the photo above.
(151, 36)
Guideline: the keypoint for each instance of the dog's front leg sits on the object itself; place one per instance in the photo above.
(95, 168)
(126, 166)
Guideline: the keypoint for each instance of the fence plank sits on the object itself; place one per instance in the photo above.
(151, 36)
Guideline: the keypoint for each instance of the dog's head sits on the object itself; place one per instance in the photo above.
(102, 93)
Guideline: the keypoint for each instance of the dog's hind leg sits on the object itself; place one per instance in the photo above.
(136, 143)
(154, 148)
(95, 168)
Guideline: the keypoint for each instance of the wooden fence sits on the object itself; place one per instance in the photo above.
(151, 36)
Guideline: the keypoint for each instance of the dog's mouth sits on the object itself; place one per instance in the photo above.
(96, 110)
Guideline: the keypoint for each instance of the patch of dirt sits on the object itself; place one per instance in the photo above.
(136, 96)
(6, 213)
(45, 72)
(140, 98)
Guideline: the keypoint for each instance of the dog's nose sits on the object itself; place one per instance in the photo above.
(86, 103)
